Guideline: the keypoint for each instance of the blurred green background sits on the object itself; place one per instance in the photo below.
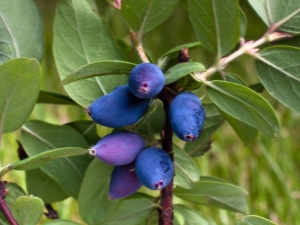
(268, 169)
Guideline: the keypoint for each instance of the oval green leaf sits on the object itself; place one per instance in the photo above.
(190, 216)
(278, 69)
(186, 170)
(43, 158)
(20, 81)
(38, 137)
(215, 193)
(182, 69)
(130, 212)
(21, 30)
(80, 38)
(87, 129)
(54, 98)
(41, 185)
(61, 222)
(217, 29)
(97, 69)
(245, 105)
(175, 51)
(27, 210)
(273, 11)
(256, 220)
(94, 192)
(144, 15)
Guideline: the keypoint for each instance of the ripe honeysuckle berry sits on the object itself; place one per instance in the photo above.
(146, 80)
(123, 181)
(118, 108)
(154, 168)
(118, 148)
(187, 116)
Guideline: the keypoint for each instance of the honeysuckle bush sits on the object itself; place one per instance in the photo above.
(92, 59)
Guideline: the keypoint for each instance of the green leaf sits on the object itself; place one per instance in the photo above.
(54, 98)
(245, 132)
(152, 122)
(182, 69)
(13, 192)
(258, 87)
(80, 38)
(278, 69)
(61, 222)
(94, 192)
(175, 51)
(42, 158)
(87, 129)
(191, 216)
(101, 68)
(186, 170)
(273, 11)
(21, 30)
(217, 29)
(38, 137)
(256, 220)
(245, 105)
(215, 193)
(234, 79)
(243, 23)
(41, 185)
(20, 81)
(212, 122)
(130, 212)
(144, 15)
(27, 210)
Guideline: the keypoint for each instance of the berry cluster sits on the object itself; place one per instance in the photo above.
(125, 105)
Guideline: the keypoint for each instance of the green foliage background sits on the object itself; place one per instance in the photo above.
(268, 169)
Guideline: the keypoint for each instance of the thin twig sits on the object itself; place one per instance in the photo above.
(3, 205)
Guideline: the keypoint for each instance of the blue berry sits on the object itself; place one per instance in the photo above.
(187, 116)
(154, 168)
(146, 80)
(118, 148)
(118, 108)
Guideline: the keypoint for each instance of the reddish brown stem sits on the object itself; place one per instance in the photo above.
(166, 210)
(3, 205)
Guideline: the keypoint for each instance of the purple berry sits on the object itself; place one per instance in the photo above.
(154, 168)
(146, 80)
(118, 108)
(187, 116)
(118, 148)
(123, 181)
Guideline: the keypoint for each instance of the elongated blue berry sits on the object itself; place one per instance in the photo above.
(123, 181)
(154, 168)
(118, 148)
(146, 80)
(118, 108)
(187, 116)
